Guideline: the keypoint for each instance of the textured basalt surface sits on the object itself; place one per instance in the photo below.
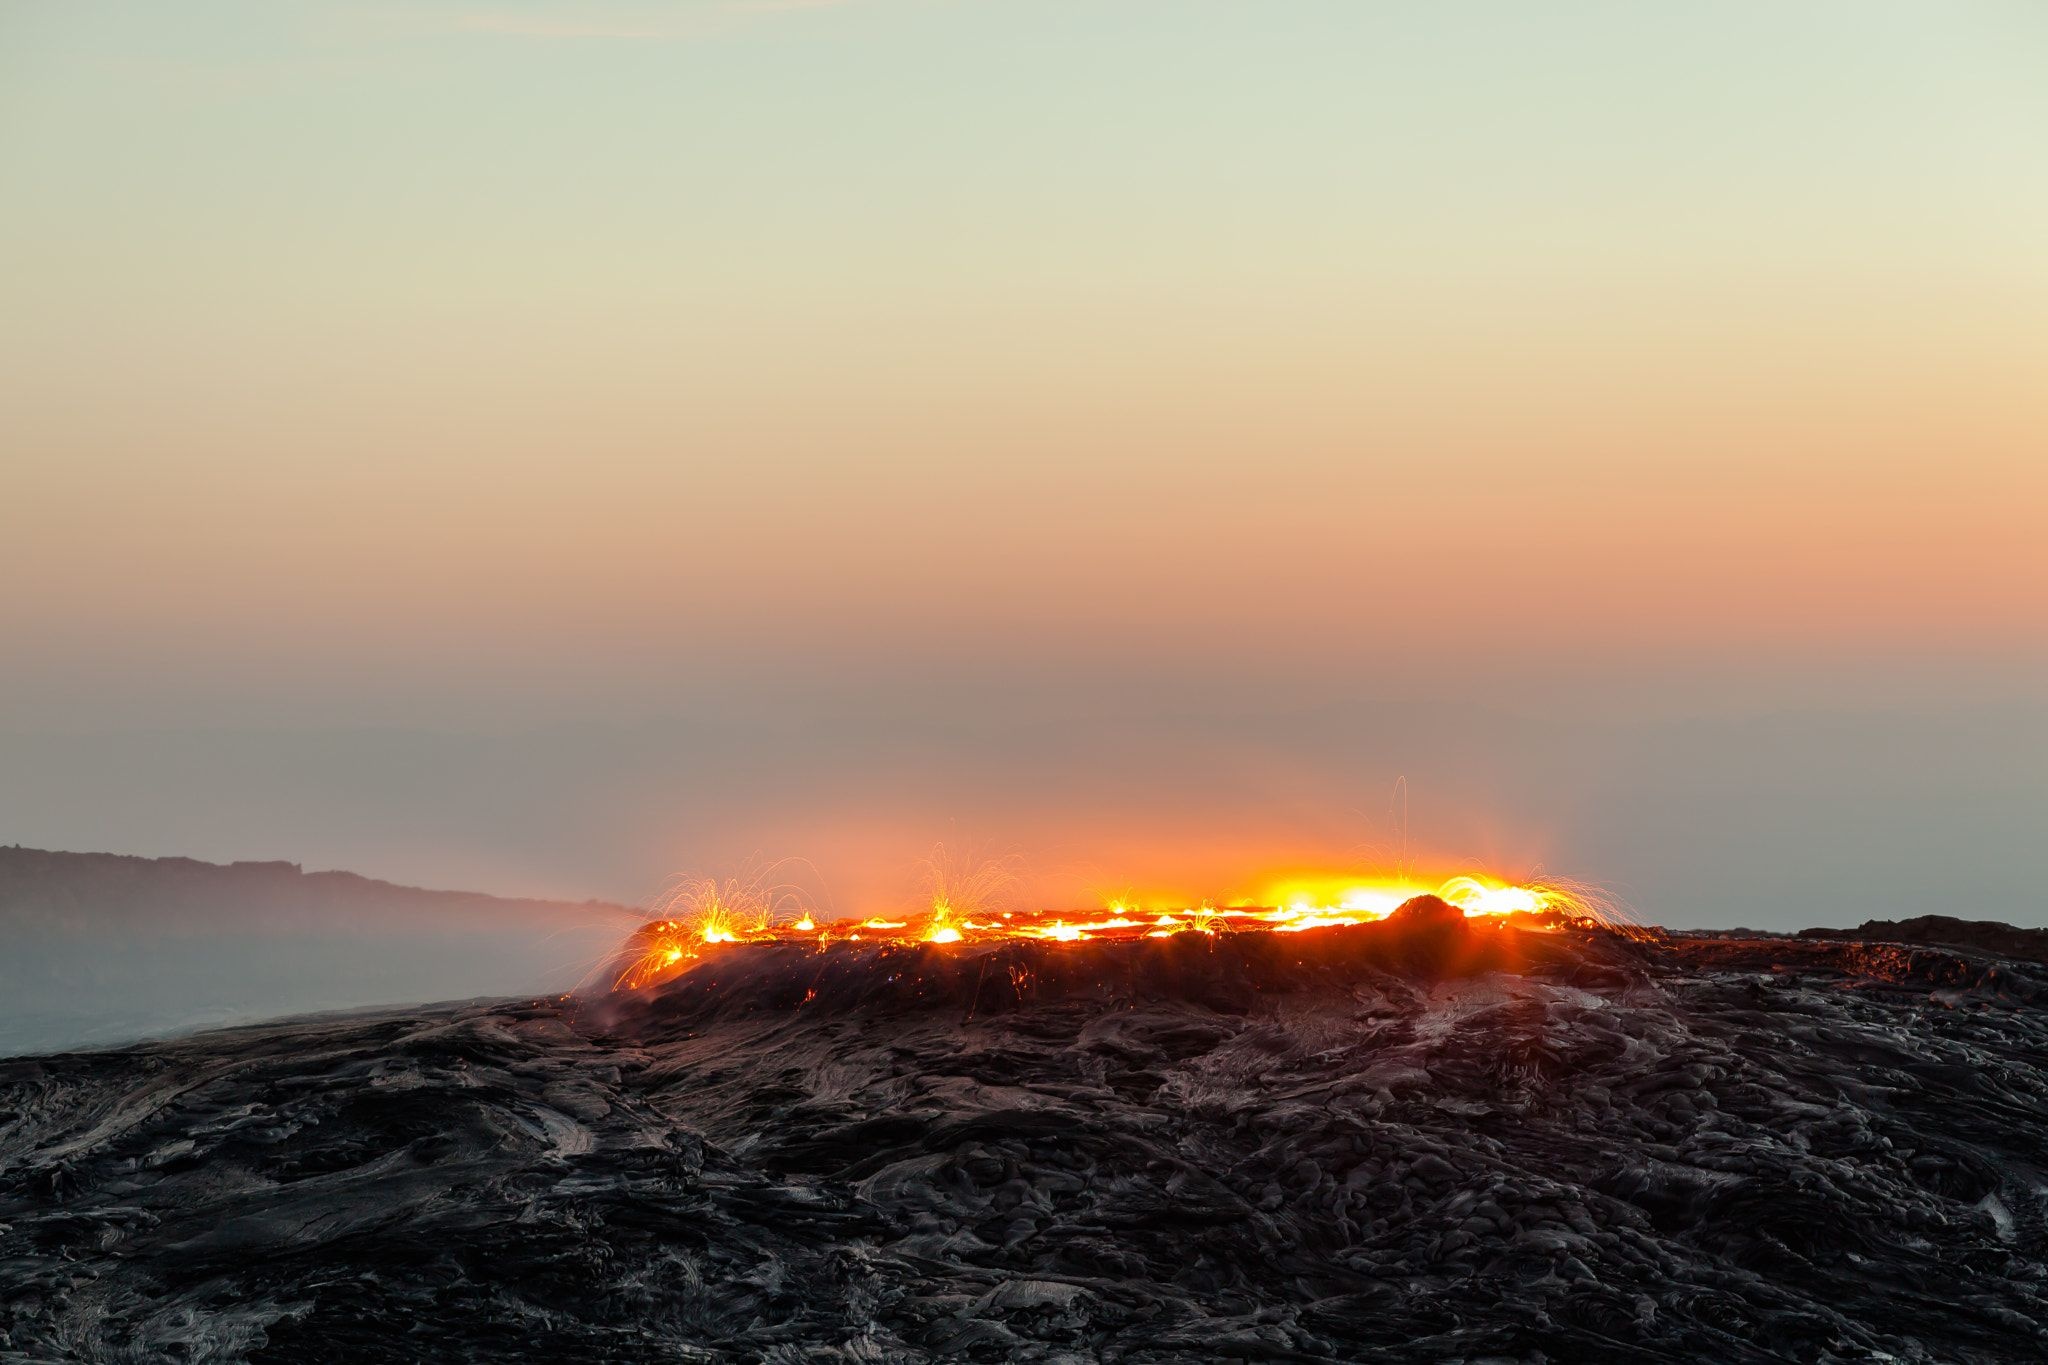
(1414, 1142)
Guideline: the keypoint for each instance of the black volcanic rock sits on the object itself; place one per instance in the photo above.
(1946, 931)
(1424, 1140)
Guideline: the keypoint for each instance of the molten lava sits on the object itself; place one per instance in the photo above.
(704, 917)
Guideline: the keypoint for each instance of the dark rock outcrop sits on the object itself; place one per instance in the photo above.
(1946, 931)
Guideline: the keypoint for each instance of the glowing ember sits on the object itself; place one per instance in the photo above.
(705, 915)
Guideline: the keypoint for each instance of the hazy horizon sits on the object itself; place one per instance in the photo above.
(1710, 818)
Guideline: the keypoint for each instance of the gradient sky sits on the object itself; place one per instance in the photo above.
(545, 447)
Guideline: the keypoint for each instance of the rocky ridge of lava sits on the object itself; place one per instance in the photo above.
(1417, 1141)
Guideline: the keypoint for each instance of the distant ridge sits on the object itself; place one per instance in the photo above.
(101, 947)
(46, 885)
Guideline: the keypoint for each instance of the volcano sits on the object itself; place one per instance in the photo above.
(1422, 1139)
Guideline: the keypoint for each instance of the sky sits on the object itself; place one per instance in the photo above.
(549, 447)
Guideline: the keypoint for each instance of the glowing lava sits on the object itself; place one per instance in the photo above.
(704, 916)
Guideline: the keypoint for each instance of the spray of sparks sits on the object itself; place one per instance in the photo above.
(967, 893)
(968, 900)
(699, 913)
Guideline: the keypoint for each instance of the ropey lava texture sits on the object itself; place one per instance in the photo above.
(1390, 1142)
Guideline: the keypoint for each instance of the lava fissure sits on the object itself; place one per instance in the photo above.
(702, 918)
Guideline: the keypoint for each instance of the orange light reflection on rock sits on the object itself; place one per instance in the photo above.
(667, 948)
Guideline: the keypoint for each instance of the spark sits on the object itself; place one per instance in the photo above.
(700, 913)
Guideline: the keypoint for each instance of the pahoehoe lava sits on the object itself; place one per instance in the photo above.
(1414, 1141)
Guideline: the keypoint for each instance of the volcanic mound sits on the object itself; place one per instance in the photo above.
(1425, 939)
(1431, 1139)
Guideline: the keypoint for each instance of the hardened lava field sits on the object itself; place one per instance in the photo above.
(1428, 1138)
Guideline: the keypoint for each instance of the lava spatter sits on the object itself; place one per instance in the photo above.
(971, 908)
